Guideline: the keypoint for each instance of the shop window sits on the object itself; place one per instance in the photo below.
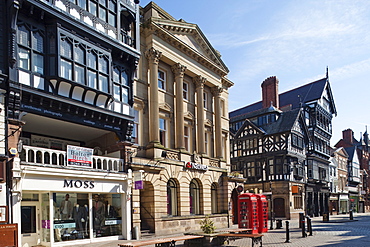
(214, 199)
(172, 200)
(194, 197)
(72, 212)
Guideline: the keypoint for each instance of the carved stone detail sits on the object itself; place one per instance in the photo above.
(216, 91)
(178, 69)
(153, 55)
(199, 81)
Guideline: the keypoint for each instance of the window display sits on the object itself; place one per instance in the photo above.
(107, 219)
(72, 212)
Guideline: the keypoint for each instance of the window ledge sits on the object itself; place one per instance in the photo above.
(188, 217)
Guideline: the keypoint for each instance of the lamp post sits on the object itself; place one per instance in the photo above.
(271, 222)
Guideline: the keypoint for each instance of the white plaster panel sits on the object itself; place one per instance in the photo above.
(77, 93)
(89, 98)
(64, 89)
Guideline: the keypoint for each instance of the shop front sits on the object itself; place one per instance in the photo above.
(343, 203)
(61, 208)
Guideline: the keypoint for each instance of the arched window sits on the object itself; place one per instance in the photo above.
(194, 197)
(214, 199)
(172, 197)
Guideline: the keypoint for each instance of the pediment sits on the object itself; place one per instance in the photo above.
(165, 107)
(188, 115)
(189, 39)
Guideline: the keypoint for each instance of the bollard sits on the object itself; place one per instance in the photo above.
(303, 227)
(309, 226)
(287, 232)
(351, 214)
(279, 224)
(301, 217)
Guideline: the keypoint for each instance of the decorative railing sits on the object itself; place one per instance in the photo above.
(55, 158)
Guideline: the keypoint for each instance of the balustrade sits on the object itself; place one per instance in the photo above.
(56, 158)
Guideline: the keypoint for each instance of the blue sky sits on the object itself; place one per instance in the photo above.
(293, 40)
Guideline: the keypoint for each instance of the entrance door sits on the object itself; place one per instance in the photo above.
(279, 207)
(30, 228)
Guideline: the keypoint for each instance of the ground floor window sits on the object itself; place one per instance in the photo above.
(72, 212)
(298, 202)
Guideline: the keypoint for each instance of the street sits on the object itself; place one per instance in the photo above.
(339, 231)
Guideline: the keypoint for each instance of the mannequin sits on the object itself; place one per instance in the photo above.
(66, 208)
(79, 215)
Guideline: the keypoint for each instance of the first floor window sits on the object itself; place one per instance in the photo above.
(186, 138)
(162, 131)
(135, 131)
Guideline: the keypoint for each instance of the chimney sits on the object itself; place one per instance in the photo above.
(270, 92)
(348, 136)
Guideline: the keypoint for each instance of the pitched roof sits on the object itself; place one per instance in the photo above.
(284, 123)
(351, 152)
(306, 93)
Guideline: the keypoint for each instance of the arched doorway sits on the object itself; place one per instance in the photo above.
(147, 207)
(279, 207)
(234, 206)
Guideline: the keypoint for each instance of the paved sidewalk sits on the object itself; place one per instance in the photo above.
(339, 231)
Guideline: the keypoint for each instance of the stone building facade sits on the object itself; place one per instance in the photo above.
(181, 127)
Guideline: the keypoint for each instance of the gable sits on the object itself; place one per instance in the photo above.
(248, 129)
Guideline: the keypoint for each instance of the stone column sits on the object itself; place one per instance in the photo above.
(153, 56)
(216, 92)
(179, 71)
(199, 84)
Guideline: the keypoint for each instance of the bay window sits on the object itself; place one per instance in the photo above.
(79, 60)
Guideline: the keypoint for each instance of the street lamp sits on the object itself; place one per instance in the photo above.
(271, 222)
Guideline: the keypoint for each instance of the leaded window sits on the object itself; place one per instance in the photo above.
(84, 64)
(30, 55)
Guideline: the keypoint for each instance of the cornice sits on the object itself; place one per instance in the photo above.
(164, 33)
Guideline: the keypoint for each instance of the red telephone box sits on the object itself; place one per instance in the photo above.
(262, 213)
(248, 211)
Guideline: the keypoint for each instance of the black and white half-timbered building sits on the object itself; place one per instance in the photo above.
(281, 146)
(68, 69)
